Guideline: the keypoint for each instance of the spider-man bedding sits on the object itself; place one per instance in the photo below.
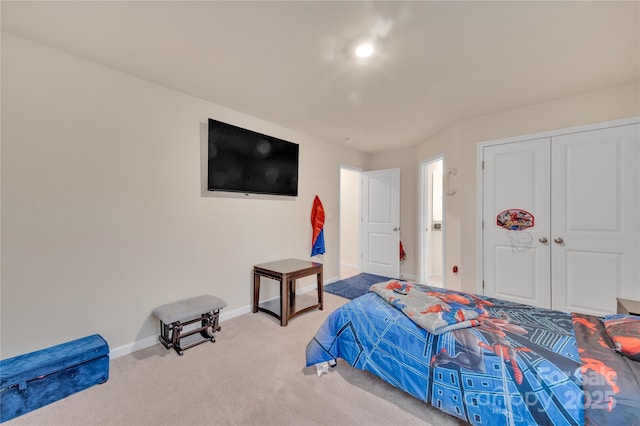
(509, 364)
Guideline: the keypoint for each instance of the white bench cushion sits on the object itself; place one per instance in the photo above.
(188, 308)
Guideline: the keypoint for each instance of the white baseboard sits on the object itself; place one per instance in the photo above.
(133, 347)
(329, 281)
(224, 315)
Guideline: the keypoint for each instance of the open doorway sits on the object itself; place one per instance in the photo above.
(432, 226)
(349, 221)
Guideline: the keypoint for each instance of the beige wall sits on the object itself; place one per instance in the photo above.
(459, 143)
(104, 213)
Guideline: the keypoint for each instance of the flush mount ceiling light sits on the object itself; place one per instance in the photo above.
(364, 50)
(361, 47)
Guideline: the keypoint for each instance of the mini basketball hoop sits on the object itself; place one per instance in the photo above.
(520, 241)
(515, 219)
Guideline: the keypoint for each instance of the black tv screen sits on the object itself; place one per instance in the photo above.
(242, 160)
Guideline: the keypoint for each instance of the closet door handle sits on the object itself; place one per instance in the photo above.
(543, 240)
(558, 240)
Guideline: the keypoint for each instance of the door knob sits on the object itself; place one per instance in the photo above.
(543, 240)
(558, 240)
(395, 228)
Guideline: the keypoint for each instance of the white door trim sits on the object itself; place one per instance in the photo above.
(422, 272)
(343, 166)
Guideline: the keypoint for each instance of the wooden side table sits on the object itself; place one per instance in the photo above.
(287, 272)
(629, 307)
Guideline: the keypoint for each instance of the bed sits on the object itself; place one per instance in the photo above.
(489, 361)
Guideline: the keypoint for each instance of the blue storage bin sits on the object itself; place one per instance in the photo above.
(32, 380)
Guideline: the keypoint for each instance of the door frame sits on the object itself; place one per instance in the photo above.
(422, 222)
(480, 184)
(343, 166)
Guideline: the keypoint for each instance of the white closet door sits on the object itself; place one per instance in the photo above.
(516, 262)
(595, 210)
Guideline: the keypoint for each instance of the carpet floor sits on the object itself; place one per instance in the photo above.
(254, 374)
(355, 286)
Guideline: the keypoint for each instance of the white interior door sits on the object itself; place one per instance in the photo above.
(380, 229)
(516, 259)
(596, 240)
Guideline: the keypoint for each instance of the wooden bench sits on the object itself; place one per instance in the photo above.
(174, 317)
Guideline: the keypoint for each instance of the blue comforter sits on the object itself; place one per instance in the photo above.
(519, 366)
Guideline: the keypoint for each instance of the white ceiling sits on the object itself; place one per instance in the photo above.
(285, 62)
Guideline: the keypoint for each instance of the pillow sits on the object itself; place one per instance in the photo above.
(624, 330)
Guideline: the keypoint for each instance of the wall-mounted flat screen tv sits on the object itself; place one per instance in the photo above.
(249, 162)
